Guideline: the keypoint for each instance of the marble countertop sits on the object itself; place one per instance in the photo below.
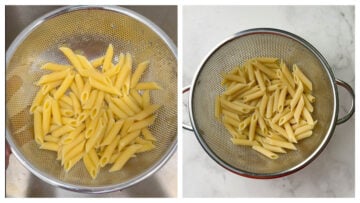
(331, 30)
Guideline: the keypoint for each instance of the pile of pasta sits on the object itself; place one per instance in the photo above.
(94, 111)
(266, 106)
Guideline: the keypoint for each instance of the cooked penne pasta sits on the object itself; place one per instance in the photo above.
(244, 142)
(46, 116)
(266, 103)
(148, 86)
(108, 58)
(100, 116)
(124, 157)
(138, 73)
(55, 76)
(38, 126)
(307, 83)
(265, 152)
(64, 85)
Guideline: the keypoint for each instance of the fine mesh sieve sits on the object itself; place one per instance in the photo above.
(89, 30)
(234, 51)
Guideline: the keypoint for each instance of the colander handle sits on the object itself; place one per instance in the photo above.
(187, 127)
(352, 108)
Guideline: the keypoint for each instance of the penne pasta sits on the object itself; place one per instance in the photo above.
(96, 111)
(124, 157)
(307, 83)
(38, 127)
(265, 152)
(138, 73)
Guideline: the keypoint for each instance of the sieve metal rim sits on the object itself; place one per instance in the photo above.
(53, 181)
(324, 142)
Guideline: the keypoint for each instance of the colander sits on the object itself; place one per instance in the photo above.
(234, 51)
(89, 30)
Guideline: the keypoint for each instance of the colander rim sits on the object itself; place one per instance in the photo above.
(326, 138)
(74, 187)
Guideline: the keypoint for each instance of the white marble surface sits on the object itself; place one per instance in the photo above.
(331, 31)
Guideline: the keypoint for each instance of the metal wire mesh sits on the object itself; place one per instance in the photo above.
(89, 31)
(207, 86)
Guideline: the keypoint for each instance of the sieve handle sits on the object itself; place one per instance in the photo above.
(352, 108)
(187, 127)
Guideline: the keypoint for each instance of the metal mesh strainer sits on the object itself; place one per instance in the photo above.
(89, 29)
(207, 85)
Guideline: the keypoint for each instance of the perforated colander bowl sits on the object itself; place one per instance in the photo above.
(90, 30)
(234, 51)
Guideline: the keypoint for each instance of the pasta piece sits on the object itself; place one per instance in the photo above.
(46, 117)
(105, 158)
(306, 114)
(79, 82)
(304, 135)
(137, 97)
(244, 142)
(55, 76)
(147, 134)
(250, 70)
(246, 122)
(148, 86)
(307, 83)
(127, 139)
(269, 107)
(142, 124)
(235, 89)
(119, 113)
(55, 67)
(38, 127)
(95, 136)
(97, 62)
(55, 111)
(108, 58)
(146, 112)
(265, 152)
(98, 103)
(263, 104)
(273, 148)
(64, 85)
(264, 69)
(290, 133)
(90, 166)
(138, 73)
(286, 118)
(287, 74)
(37, 101)
(49, 146)
(253, 96)
(113, 132)
(100, 86)
(303, 128)
(124, 157)
(296, 97)
(46, 88)
(73, 134)
(252, 128)
(131, 104)
(298, 110)
(260, 80)
(281, 101)
(124, 72)
(278, 143)
(61, 131)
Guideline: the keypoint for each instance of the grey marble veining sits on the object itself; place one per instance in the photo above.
(330, 29)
